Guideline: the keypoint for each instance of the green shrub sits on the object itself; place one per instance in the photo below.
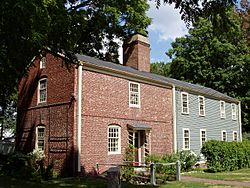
(128, 171)
(187, 159)
(226, 156)
(29, 167)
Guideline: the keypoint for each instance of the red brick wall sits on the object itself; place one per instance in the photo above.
(105, 102)
(57, 114)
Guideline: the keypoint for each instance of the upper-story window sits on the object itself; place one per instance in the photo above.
(222, 109)
(114, 139)
(201, 105)
(223, 135)
(233, 107)
(203, 136)
(42, 90)
(186, 139)
(134, 94)
(235, 136)
(43, 62)
(184, 103)
(40, 137)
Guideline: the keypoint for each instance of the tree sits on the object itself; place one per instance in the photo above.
(244, 11)
(217, 60)
(191, 10)
(160, 68)
(65, 26)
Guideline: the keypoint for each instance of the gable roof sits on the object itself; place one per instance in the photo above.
(169, 81)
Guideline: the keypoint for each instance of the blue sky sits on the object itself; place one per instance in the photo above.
(165, 27)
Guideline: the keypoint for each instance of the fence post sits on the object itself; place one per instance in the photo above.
(114, 179)
(152, 174)
(178, 171)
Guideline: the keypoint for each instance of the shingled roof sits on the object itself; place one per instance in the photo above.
(170, 81)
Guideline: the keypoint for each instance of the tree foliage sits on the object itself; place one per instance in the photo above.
(191, 10)
(65, 26)
(160, 68)
(217, 60)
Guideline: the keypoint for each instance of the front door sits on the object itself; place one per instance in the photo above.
(140, 143)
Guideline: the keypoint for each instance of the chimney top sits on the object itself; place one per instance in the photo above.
(136, 53)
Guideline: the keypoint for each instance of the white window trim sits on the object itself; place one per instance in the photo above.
(38, 91)
(139, 95)
(183, 146)
(36, 143)
(43, 62)
(233, 111)
(201, 136)
(119, 140)
(236, 136)
(204, 107)
(223, 111)
(184, 93)
(223, 131)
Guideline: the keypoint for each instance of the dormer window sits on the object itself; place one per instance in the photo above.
(43, 62)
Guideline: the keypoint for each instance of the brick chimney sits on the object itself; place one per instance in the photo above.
(136, 53)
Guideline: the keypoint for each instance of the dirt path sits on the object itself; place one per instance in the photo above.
(235, 183)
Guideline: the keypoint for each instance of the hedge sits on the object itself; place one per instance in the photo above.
(226, 156)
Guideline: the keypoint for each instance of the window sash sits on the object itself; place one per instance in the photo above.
(203, 137)
(201, 106)
(235, 136)
(224, 136)
(134, 94)
(43, 63)
(184, 103)
(113, 139)
(186, 139)
(233, 108)
(42, 95)
(40, 138)
(222, 109)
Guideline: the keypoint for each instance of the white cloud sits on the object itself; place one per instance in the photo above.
(166, 22)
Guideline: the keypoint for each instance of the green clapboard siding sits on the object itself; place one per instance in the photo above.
(211, 122)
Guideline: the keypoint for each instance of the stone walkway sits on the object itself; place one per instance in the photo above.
(235, 183)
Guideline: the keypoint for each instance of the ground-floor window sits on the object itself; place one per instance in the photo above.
(186, 139)
(114, 139)
(40, 137)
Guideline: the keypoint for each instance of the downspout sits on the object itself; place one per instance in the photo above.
(240, 126)
(79, 116)
(174, 119)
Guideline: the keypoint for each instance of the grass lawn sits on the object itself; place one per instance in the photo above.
(242, 175)
(6, 182)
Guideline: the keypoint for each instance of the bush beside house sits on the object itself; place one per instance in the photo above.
(226, 156)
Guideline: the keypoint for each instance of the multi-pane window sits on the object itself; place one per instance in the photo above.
(203, 136)
(42, 62)
(114, 139)
(201, 105)
(233, 107)
(186, 139)
(222, 109)
(40, 138)
(223, 135)
(134, 94)
(235, 136)
(42, 92)
(184, 103)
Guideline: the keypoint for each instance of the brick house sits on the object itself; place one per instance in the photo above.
(88, 114)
